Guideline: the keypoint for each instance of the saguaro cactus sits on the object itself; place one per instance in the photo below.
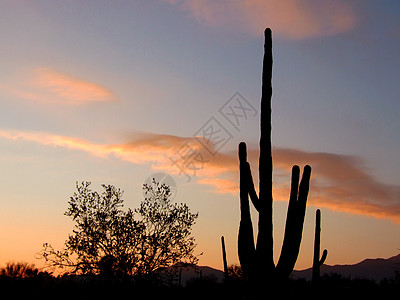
(257, 260)
(317, 262)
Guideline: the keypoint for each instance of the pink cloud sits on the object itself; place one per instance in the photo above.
(292, 19)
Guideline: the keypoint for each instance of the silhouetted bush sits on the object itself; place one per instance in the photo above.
(19, 270)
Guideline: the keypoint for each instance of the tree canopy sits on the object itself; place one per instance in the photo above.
(108, 240)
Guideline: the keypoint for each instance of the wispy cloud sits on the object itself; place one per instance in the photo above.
(70, 88)
(293, 19)
(56, 141)
(338, 182)
(145, 149)
(46, 85)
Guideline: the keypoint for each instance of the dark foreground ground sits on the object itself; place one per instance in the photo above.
(78, 287)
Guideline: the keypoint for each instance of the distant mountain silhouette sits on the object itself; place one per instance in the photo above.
(374, 269)
(189, 273)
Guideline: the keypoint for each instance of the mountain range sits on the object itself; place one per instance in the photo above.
(373, 269)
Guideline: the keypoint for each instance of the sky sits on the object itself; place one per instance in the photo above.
(113, 92)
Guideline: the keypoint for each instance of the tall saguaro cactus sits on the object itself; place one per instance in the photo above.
(257, 260)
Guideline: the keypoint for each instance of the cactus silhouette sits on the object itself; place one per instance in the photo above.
(224, 258)
(317, 262)
(257, 260)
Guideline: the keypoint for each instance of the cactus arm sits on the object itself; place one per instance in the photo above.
(244, 182)
(294, 190)
(323, 258)
(304, 188)
(294, 222)
(251, 189)
(283, 265)
(246, 248)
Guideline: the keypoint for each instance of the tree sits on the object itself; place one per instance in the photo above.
(166, 239)
(107, 240)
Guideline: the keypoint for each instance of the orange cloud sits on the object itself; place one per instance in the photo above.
(70, 89)
(293, 19)
(221, 185)
(338, 182)
(49, 86)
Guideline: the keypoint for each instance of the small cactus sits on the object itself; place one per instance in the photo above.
(317, 262)
(224, 258)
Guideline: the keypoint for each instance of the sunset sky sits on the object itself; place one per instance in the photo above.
(115, 91)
